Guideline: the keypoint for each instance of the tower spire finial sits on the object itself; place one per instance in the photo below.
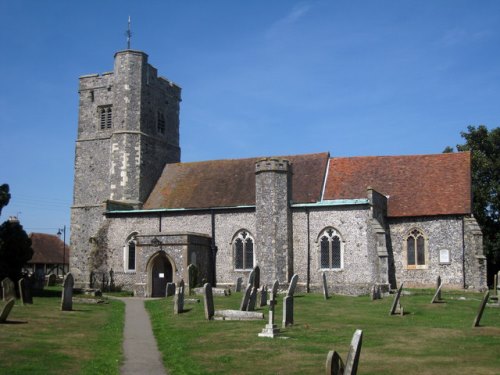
(128, 33)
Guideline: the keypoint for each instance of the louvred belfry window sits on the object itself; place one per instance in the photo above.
(105, 117)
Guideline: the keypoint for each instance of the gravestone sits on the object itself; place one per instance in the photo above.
(179, 298)
(253, 300)
(67, 293)
(274, 290)
(479, 315)
(287, 311)
(239, 281)
(325, 287)
(208, 300)
(256, 278)
(6, 309)
(263, 296)
(170, 289)
(376, 292)
(437, 295)
(192, 278)
(334, 364)
(251, 278)
(271, 329)
(238, 315)
(438, 289)
(51, 280)
(396, 307)
(8, 288)
(293, 285)
(246, 298)
(25, 291)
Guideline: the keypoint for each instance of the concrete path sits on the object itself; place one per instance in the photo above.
(139, 345)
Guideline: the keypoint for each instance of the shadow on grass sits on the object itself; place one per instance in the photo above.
(46, 293)
(14, 322)
(185, 311)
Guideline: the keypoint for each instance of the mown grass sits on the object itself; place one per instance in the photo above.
(42, 339)
(428, 339)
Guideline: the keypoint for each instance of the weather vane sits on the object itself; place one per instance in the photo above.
(128, 33)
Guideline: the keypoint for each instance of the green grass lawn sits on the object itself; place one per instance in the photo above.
(42, 339)
(429, 339)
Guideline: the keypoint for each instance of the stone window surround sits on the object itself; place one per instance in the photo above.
(233, 250)
(130, 238)
(405, 250)
(105, 116)
(342, 248)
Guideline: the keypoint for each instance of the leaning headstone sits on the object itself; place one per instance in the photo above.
(179, 298)
(256, 278)
(271, 329)
(479, 315)
(253, 300)
(25, 291)
(239, 281)
(334, 364)
(396, 307)
(251, 278)
(263, 296)
(208, 300)
(351, 364)
(51, 280)
(437, 295)
(6, 309)
(287, 311)
(438, 289)
(293, 285)
(325, 287)
(67, 293)
(274, 290)
(170, 289)
(246, 298)
(8, 289)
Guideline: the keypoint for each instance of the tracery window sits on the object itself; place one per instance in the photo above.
(105, 117)
(416, 249)
(131, 256)
(243, 250)
(331, 250)
(130, 253)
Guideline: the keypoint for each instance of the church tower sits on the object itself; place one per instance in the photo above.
(128, 129)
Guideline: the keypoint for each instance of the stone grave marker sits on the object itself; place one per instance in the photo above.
(179, 298)
(438, 284)
(51, 280)
(479, 315)
(287, 311)
(8, 289)
(67, 293)
(170, 289)
(274, 290)
(208, 300)
(293, 285)
(253, 300)
(263, 296)
(25, 291)
(375, 292)
(251, 278)
(192, 278)
(256, 278)
(246, 298)
(325, 287)
(495, 285)
(6, 309)
(238, 315)
(396, 307)
(239, 281)
(271, 329)
(437, 295)
(334, 363)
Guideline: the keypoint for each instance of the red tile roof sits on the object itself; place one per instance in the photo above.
(230, 183)
(48, 249)
(417, 185)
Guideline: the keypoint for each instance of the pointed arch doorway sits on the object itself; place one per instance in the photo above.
(160, 272)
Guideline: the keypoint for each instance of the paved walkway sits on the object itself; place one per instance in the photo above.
(139, 345)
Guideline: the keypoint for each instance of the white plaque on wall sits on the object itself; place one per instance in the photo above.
(161, 275)
(444, 256)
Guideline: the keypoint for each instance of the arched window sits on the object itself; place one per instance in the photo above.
(243, 251)
(129, 253)
(331, 250)
(105, 117)
(416, 249)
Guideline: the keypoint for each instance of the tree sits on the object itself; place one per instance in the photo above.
(4, 196)
(484, 146)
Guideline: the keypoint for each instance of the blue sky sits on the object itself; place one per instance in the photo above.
(259, 78)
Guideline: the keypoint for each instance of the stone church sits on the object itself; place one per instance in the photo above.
(143, 215)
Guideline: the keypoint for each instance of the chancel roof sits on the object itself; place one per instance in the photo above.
(231, 183)
(416, 185)
(48, 249)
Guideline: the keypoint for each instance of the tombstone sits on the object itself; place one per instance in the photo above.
(246, 298)
(6, 309)
(274, 290)
(293, 285)
(170, 289)
(208, 300)
(256, 278)
(251, 278)
(25, 291)
(51, 280)
(238, 315)
(437, 295)
(192, 278)
(8, 289)
(375, 292)
(438, 289)
(111, 280)
(271, 329)
(67, 293)
(325, 287)
(477, 320)
(396, 307)
(239, 281)
(253, 300)
(263, 296)
(495, 285)
(334, 364)
(287, 311)
(179, 299)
